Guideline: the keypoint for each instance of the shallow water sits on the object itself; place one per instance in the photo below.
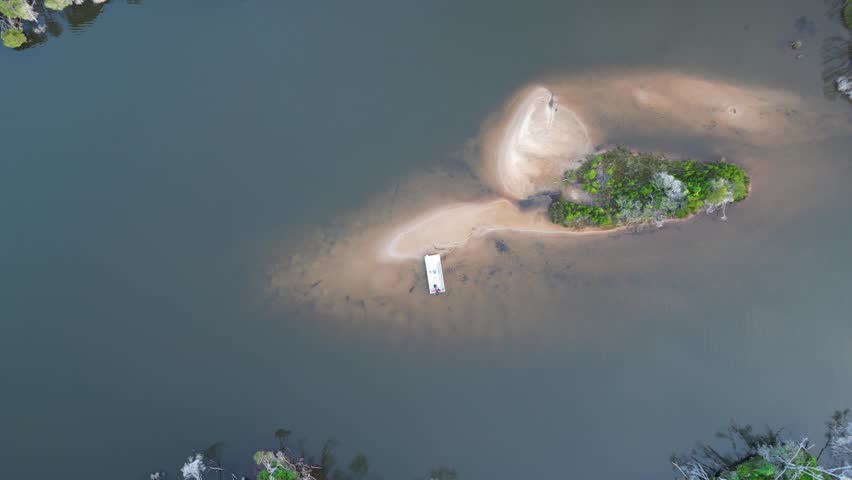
(152, 184)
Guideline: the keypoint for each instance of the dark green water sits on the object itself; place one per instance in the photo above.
(154, 163)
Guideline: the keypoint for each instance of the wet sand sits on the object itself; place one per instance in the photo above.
(369, 267)
(452, 226)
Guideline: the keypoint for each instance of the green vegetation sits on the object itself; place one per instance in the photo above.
(280, 473)
(756, 469)
(13, 38)
(759, 468)
(768, 456)
(56, 4)
(15, 9)
(627, 188)
(27, 23)
(570, 213)
(847, 13)
(276, 466)
(13, 14)
(740, 453)
(286, 463)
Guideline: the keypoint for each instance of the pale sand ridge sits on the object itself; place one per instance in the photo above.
(540, 140)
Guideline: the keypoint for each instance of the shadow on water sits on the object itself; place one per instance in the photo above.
(79, 17)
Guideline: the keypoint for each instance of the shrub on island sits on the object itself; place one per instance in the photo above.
(628, 188)
(13, 38)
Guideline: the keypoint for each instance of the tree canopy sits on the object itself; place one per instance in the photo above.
(13, 38)
(626, 188)
(769, 456)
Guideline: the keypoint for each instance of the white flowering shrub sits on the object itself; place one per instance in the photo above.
(671, 187)
(630, 212)
(844, 86)
(193, 468)
(840, 437)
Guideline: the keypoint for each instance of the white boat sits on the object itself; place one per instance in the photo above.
(434, 274)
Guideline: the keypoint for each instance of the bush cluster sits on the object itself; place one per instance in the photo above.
(280, 473)
(757, 467)
(634, 188)
(13, 38)
(21, 21)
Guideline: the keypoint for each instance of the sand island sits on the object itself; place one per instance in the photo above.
(546, 175)
(544, 171)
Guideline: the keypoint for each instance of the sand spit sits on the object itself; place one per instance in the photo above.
(452, 226)
(370, 267)
(540, 139)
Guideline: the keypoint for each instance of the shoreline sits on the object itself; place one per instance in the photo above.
(540, 226)
(534, 222)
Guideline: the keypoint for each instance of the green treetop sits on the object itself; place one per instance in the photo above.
(56, 4)
(13, 38)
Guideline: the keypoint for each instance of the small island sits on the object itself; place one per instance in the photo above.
(620, 188)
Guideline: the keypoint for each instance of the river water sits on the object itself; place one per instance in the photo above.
(159, 164)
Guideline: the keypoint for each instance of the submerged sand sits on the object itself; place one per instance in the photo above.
(369, 267)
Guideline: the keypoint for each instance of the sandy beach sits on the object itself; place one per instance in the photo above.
(536, 144)
(452, 226)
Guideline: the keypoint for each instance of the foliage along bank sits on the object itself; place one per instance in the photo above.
(287, 462)
(741, 454)
(768, 456)
(23, 21)
(626, 188)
